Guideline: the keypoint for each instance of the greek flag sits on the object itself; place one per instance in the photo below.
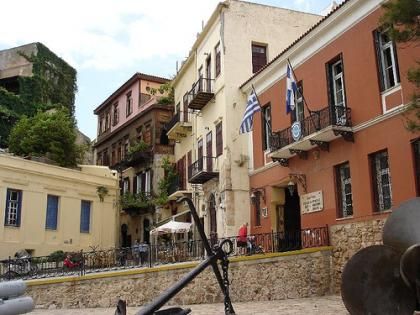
(252, 107)
(291, 88)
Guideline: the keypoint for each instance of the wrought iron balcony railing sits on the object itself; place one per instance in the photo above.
(201, 93)
(202, 170)
(179, 117)
(330, 116)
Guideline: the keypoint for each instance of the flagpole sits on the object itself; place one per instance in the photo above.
(301, 94)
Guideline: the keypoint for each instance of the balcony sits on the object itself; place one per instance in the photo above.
(135, 204)
(177, 189)
(179, 125)
(203, 170)
(201, 93)
(316, 130)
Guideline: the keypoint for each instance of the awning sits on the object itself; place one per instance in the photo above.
(172, 227)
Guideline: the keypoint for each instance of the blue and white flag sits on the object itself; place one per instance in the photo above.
(252, 107)
(291, 88)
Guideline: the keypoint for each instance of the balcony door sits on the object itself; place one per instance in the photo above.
(200, 155)
(208, 74)
(185, 109)
(209, 152)
(338, 92)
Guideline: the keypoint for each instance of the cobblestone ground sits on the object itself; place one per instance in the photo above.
(327, 305)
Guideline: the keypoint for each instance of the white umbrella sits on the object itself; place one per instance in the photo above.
(172, 227)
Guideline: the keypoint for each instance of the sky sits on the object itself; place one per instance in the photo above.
(107, 41)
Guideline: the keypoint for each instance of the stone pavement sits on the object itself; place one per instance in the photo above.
(326, 305)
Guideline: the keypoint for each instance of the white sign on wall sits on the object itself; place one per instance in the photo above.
(311, 202)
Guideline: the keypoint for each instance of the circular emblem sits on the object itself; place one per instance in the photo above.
(296, 131)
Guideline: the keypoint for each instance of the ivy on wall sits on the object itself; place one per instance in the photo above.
(52, 85)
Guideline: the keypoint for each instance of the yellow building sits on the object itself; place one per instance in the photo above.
(47, 208)
(212, 158)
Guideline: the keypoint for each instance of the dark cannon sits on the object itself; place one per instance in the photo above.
(385, 279)
(219, 252)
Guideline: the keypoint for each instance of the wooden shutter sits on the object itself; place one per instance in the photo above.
(219, 139)
(259, 57)
(52, 209)
(135, 184)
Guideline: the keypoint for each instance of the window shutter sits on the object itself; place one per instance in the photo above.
(376, 36)
(19, 209)
(338, 192)
(330, 83)
(6, 210)
(397, 68)
(219, 139)
(135, 184)
(85, 217)
(52, 209)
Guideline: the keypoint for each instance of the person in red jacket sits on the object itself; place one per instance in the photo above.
(242, 239)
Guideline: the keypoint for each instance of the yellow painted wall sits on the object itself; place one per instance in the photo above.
(36, 181)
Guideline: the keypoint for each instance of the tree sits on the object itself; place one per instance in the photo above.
(51, 134)
(402, 20)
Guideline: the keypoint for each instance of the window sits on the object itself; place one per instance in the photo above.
(148, 182)
(129, 104)
(107, 121)
(335, 73)
(381, 180)
(386, 55)
(126, 185)
(101, 124)
(219, 139)
(344, 193)
(13, 207)
(115, 115)
(416, 151)
(298, 113)
(85, 216)
(266, 126)
(217, 62)
(105, 158)
(52, 212)
(259, 57)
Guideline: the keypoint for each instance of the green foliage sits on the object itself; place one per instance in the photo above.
(51, 134)
(167, 90)
(52, 86)
(165, 183)
(139, 146)
(102, 191)
(140, 200)
(401, 20)
(58, 255)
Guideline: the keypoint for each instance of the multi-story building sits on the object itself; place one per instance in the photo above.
(48, 208)
(343, 157)
(211, 156)
(132, 139)
(33, 78)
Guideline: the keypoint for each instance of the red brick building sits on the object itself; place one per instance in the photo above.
(349, 157)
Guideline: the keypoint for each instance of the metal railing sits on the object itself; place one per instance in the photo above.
(318, 120)
(179, 117)
(84, 262)
(203, 85)
(203, 164)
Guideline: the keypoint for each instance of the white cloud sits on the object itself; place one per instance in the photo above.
(105, 34)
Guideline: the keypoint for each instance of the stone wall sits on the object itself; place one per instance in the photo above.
(347, 239)
(270, 277)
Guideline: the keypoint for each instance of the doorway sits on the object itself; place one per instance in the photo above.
(125, 238)
(292, 227)
(146, 230)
